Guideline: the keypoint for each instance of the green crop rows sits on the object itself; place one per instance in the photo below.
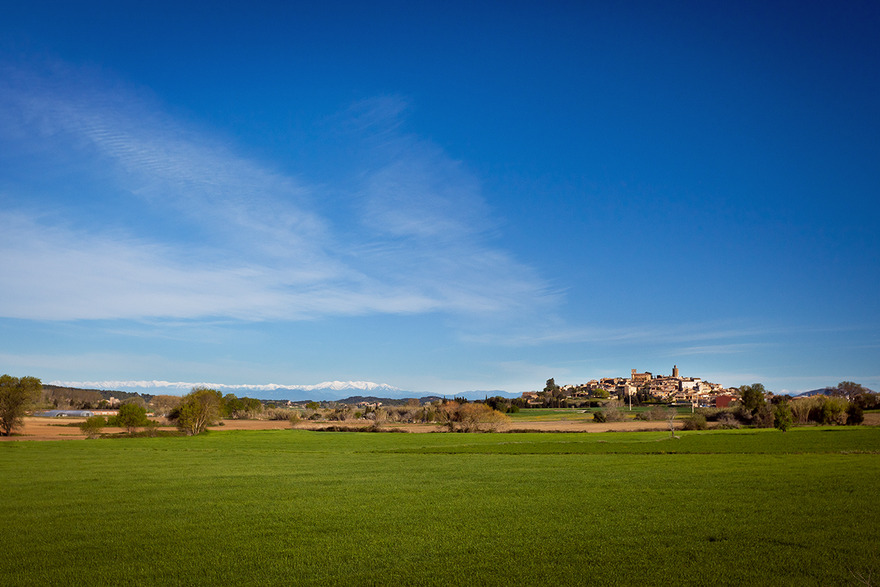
(297, 507)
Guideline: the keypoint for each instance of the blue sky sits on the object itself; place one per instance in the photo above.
(442, 197)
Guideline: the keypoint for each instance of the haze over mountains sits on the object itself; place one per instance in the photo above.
(325, 391)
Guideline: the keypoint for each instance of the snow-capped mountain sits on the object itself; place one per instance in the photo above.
(327, 390)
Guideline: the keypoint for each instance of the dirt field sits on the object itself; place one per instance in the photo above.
(60, 429)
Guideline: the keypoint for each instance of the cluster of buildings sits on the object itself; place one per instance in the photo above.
(664, 388)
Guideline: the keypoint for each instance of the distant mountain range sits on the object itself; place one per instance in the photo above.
(336, 391)
(326, 391)
(824, 391)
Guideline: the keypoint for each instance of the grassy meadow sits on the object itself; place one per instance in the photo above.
(757, 507)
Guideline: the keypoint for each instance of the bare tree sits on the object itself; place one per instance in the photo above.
(477, 417)
(163, 405)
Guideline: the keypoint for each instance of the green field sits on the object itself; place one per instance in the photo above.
(581, 414)
(553, 414)
(285, 507)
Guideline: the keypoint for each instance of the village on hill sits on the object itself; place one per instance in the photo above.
(642, 387)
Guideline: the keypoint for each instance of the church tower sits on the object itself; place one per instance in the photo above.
(675, 371)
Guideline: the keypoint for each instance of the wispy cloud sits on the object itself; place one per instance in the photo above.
(177, 387)
(717, 349)
(262, 245)
(645, 334)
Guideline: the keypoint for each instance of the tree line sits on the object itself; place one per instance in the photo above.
(192, 413)
(841, 405)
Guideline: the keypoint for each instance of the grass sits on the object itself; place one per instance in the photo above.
(583, 414)
(299, 507)
(553, 414)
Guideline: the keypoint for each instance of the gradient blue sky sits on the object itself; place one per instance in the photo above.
(440, 196)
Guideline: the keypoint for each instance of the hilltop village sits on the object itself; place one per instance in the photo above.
(641, 387)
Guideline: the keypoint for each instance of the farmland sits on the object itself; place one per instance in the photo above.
(306, 507)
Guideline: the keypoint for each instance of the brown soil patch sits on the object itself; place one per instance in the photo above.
(57, 428)
(51, 429)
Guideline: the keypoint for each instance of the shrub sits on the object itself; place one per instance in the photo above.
(695, 422)
(92, 426)
(829, 410)
(609, 414)
(867, 400)
(277, 414)
(728, 421)
(743, 415)
(339, 414)
(782, 416)
(800, 409)
(764, 416)
(151, 428)
(711, 414)
(476, 417)
(717, 414)
(854, 414)
(614, 414)
(659, 413)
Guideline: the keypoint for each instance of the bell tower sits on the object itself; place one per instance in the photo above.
(675, 371)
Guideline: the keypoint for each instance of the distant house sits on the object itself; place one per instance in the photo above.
(65, 414)
(723, 401)
(639, 379)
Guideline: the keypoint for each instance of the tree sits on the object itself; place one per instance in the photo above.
(198, 409)
(644, 393)
(782, 416)
(752, 396)
(850, 389)
(238, 408)
(551, 385)
(131, 416)
(231, 406)
(136, 400)
(164, 404)
(16, 396)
